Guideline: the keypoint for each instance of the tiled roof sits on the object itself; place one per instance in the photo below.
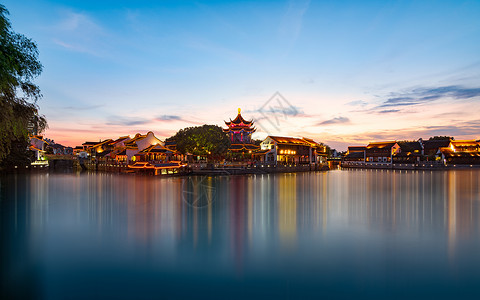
(381, 145)
(138, 136)
(465, 143)
(239, 120)
(355, 155)
(410, 146)
(434, 144)
(157, 148)
(102, 143)
(241, 147)
(122, 138)
(288, 140)
(312, 142)
(447, 152)
(239, 128)
(356, 148)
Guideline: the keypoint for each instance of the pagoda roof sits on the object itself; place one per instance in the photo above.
(240, 128)
(239, 121)
(243, 147)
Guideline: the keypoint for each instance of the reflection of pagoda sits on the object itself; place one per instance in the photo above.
(240, 133)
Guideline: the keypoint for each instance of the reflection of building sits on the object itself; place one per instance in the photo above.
(288, 150)
(240, 133)
(287, 210)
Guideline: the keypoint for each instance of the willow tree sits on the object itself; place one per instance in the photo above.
(19, 116)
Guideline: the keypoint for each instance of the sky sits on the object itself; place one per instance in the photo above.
(340, 72)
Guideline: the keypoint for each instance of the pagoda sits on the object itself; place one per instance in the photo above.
(240, 133)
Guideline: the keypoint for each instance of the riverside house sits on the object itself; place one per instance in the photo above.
(381, 152)
(140, 142)
(410, 152)
(430, 153)
(38, 145)
(289, 150)
(355, 154)
(462, 152)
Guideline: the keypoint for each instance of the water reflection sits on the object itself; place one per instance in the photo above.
(369, 230)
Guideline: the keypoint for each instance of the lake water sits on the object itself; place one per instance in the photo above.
(337, 234)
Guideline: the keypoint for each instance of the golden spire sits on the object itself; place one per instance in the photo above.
(239, 110)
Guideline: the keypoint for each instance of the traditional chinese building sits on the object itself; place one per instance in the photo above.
(289, 150)
(381, 152)
(355, 154)
(463, 152)
(240, 132)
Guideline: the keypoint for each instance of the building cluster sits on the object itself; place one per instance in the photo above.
(148, 148)
(41, 146)
(273, 149)
(445, 151)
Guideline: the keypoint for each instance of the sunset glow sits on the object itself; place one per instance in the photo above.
(352, 71)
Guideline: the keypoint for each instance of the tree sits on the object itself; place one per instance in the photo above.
(441, 138)
(206, 140)
(19, 116)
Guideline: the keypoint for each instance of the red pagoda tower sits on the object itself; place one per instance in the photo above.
(240, 133)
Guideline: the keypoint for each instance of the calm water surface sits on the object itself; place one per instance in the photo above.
(339, 234)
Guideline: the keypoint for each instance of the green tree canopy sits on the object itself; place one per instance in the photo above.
(19, 116)
(206, 140)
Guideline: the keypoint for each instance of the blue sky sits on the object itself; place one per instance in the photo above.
(353, 71)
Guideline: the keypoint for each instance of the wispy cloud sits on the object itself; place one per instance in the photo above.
(357, 103)
(336, 120)
(388, 111)
(292, 20)
(123, 121)
(78, 32)
(169, 118)
(77, 108)
(426, 95)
